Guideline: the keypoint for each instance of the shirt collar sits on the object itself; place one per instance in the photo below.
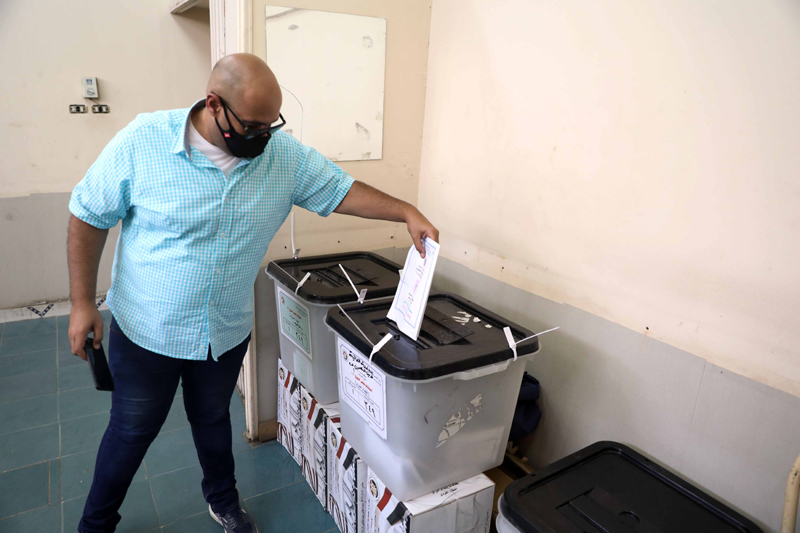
(181, 143)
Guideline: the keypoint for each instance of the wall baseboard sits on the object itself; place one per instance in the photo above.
(44, 310)
(268, 430)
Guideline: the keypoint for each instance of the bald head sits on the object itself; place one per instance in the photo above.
(244, 79)
(250, 90)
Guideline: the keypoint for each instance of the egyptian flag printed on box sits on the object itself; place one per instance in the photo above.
(384, 513)
(463, 507)
(289, 413)
(320, 427)
(314, 442)
(347, 481)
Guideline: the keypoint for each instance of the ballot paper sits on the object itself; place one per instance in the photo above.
(408, 307)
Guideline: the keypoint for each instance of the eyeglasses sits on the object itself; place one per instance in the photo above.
(249, 131)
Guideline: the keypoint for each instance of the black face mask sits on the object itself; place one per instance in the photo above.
(250, 145)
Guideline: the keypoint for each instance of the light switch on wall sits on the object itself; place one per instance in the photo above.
(90, 89)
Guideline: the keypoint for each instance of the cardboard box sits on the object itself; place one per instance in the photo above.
(314, 439)
(289, 413)
(347, 481)
(463, 507)
(501, 481)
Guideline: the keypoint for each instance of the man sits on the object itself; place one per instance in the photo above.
(200, 193)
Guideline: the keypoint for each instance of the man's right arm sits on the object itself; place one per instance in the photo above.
(84, 247)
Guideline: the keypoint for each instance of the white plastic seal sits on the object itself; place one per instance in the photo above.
(360, 295)
(308, 275)
(295, 251)
(510, 339)
(381, 344)
(513, 345)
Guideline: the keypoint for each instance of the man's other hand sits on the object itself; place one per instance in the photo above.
(84, 319)
(419, 228)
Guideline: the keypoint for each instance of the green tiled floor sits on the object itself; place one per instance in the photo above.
(51, 423)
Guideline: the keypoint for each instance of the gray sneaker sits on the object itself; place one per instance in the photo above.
(236, 521)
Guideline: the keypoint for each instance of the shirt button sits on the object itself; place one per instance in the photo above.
(223, 234)
(219, 270)
(212, 302)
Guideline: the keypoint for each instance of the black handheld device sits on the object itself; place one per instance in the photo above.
(99, 366)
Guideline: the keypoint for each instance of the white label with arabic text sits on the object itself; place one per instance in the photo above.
(363, 386)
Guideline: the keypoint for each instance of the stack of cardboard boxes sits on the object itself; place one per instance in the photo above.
(345, 486)
(347, 481)
(289, 413)
(314, 419)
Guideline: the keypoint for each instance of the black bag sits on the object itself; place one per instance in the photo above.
(527, 414)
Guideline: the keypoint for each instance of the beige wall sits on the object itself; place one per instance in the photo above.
(635, 160)
(144, 59)
(730, 436)
(407, 33)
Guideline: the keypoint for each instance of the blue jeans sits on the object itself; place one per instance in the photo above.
(145, 384)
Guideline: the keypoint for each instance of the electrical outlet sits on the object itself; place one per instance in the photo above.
(77, 108)
(100, 108)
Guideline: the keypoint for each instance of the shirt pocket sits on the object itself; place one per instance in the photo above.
(185, 217)
(179, 204)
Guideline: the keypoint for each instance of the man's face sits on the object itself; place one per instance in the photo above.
(252, 112)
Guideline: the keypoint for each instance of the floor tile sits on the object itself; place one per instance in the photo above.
(170, 451)
(238, 427)
(29, 446)
(36, 326)
(75, 377)
(24, 489)
(16, 365)
(137, 511)
(199, 523)
(62, 323)
(24, 414)
(46, 519)
(292, 508)
(66, 359)
(83, 402)
(178, 494)
(236, 404)
(265, 468)
(28, 343)
(77, 472)
(28, 386)
(82, 434)
(62, 339)
(177, 416)
(55, 482)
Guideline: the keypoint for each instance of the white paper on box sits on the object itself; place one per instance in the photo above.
(294, 319)
(289, 434)
(347, 480)
(411, 299)
(464, 507)
(362, 386)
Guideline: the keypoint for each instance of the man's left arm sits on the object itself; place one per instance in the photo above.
(368, 202)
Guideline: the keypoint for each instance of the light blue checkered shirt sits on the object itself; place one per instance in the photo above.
(192, 241)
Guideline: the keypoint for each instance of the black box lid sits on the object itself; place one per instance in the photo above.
(609, 488)
(327, 284)
(450, 339)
